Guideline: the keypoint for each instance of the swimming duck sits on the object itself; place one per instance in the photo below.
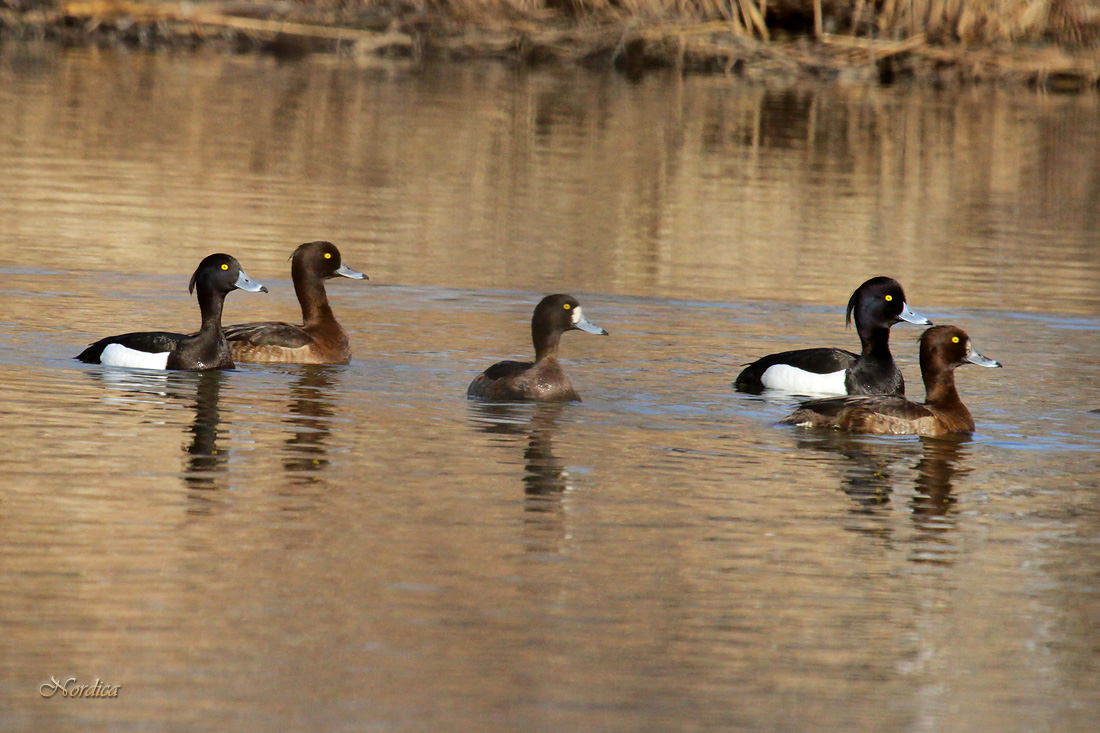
(542, 380)
(877, 305)
(942, 349)
(320, 339)
(216, 276)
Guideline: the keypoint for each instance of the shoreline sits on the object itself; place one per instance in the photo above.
(629, 45)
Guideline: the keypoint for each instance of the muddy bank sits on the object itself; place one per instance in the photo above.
(791, 41)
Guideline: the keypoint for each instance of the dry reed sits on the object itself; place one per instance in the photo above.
(968, 21)
(1019, 40)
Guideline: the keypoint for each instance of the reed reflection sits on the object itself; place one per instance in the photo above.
(545, 479)
(311, 410)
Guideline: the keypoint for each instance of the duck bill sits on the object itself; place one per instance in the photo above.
(975, 358)
(911, 316)
(579, 321)
(244, 282)
(345, 271)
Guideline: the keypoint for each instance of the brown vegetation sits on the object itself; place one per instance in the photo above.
(1043, 42)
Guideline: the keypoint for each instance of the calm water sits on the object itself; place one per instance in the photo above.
(361, 548)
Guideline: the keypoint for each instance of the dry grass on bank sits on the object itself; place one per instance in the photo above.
(965, 21)
(1041, 42)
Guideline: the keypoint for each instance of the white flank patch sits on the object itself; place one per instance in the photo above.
(799, 381)
(119, 355)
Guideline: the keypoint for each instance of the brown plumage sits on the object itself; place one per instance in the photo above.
(320, 339)
(942, 350)
(542, 380)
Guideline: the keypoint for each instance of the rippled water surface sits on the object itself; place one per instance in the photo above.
(361, 548)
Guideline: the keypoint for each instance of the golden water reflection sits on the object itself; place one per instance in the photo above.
(205, 464)
(875, 472)
(545, 478)
(690, 187)
(361, 546)
(310, 414)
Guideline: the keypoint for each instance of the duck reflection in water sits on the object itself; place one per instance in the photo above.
(871, 466)
(205, 465)
(311, 411)
(940, 464)
(546, 481)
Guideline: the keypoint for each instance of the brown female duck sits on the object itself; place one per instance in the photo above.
(542, 380)
(942, 350)
(320, 339)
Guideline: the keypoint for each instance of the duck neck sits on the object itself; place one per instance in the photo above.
(940, 389)
(546, 342)
(210, 306)
(313, 299)
(875, 341)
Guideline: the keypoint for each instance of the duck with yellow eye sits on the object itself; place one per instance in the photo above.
(542, 380)
(216, 276)
(320, 339)
(876, 305)
(942, 350)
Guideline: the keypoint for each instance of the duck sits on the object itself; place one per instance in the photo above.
(320, 339)
(876, 305)
(942, 350)
(216, 276)
(542, 380)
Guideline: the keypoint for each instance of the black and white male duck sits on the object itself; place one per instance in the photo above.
(542, 380)
(320, 339)
(217, 275)
(877, 305)
(942, 350)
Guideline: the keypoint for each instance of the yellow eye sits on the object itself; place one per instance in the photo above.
(889, 298)
(954, 339)
(567, 306)
(225, 266)
(328, 255)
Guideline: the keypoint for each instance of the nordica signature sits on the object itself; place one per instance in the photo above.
(69, 688)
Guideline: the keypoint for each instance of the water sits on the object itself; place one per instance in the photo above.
(361, 548)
